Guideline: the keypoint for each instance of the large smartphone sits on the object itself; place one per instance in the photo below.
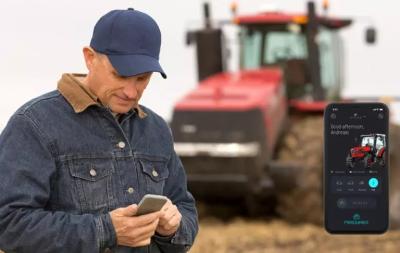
(151, 203)
(356, 168)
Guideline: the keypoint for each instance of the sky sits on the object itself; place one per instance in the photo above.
(41, 39)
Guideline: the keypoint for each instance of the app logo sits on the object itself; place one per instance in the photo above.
(356, 220)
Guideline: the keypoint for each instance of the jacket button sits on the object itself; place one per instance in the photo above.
(121, 144)
(93, 172)
(154, 172)
(131, 190)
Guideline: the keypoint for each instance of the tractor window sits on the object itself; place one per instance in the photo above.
(367, 141)
(251, 48)
(329, 61)
(281, 46)
(379, 142)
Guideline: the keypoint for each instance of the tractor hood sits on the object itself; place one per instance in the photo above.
(242, 90)
(360, 151)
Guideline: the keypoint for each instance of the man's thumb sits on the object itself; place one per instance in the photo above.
(129, 210)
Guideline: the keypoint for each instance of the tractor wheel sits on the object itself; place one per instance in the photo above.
(257, 206)
(349, 162)
(365, 162)
(253, 207)
(303, 144)
(382, 160)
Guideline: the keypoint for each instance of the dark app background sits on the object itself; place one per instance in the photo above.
(355, 196)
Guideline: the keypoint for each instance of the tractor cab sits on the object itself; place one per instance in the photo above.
(375, 142)
(311, 68)
(306, 48)
(371, 150)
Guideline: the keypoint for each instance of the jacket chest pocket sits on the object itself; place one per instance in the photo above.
(93, 181)
(155, 173)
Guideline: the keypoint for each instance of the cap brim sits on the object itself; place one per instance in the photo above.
(135, 64)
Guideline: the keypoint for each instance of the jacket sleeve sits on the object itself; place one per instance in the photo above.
(27, 168)
(176, 190)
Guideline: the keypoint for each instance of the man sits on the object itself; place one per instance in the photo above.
(74, 162)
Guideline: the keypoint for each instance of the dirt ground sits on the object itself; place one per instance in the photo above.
(260, 235)
(276, 236)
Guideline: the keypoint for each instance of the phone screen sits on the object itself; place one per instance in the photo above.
(356, 168)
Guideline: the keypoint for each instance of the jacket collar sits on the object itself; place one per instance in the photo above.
(79, 97)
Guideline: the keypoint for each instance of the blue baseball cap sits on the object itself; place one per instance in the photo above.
(131, 40)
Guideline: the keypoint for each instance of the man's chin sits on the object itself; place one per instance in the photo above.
(121, 109)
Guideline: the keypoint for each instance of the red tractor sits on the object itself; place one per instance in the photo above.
(236, 131)
(371, 151)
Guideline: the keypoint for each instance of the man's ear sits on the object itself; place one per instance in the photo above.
(89, 54)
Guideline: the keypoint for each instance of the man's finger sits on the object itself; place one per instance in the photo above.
(130, 210)
(166, 218)
(126, 211)
(172, 211)
(145, 219)
(142, 232)
(172, 223)
(167, 205)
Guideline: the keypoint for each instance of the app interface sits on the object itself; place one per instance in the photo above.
(356, 168)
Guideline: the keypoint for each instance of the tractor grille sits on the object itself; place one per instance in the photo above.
(218, 126)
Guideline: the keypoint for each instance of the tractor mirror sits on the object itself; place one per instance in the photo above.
(190, 37)
(370, 35)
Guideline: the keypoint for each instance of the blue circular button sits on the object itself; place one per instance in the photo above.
(373, 182)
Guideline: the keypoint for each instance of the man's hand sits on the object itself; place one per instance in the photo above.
(134, 231)
(170, 219)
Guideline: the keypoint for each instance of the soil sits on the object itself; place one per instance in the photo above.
(262, 235)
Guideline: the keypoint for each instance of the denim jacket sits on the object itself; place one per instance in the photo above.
(62, 170)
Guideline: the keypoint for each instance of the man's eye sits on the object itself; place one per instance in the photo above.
(118, 76)
(143, 78)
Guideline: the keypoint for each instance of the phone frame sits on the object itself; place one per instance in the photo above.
(325, 176)
(151, 203)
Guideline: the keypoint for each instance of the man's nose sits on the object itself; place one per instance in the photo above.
(130, 90)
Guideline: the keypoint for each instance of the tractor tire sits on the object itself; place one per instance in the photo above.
(365, 162)
(382, 160)
(303, 144)
(349, 162)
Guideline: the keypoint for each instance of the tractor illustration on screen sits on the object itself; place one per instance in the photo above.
(372, 150)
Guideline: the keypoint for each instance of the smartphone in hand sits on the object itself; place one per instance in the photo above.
(151, 203)
(356, 167)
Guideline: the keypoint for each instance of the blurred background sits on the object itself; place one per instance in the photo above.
(42, 39)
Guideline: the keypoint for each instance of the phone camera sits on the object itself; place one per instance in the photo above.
(380, 116)
(333, 115)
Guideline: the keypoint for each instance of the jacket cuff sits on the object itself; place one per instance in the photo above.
(181, 236)
(178, 242)
(106, 237)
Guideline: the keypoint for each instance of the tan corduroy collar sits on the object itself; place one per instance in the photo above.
(79, 96)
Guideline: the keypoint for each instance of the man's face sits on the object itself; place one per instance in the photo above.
(118, 93)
